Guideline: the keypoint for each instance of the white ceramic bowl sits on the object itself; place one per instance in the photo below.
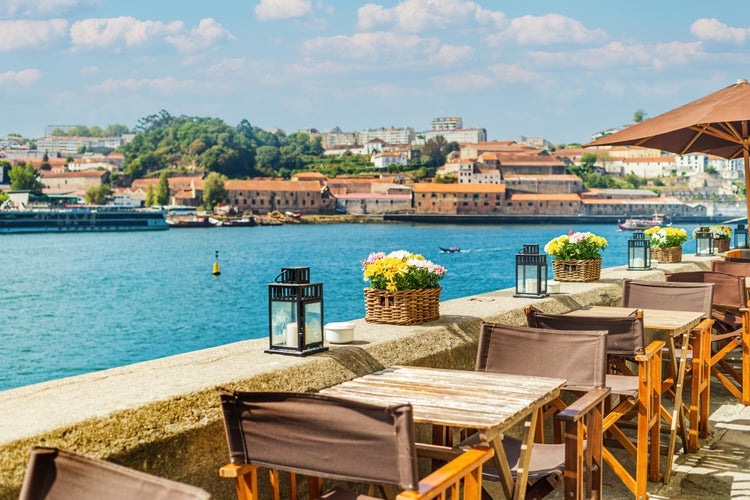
(339, 333)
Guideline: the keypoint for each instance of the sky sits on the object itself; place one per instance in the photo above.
(558, 70)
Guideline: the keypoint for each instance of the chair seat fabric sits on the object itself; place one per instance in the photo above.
(545, 458)
(623, 385)
(343, 494)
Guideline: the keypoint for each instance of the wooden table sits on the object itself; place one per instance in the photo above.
(490, 403)
(666, 325)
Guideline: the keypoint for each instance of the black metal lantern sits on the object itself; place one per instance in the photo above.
(704, 242)
(296, 313)
(531, 273)
(740, 236)
(639, 252)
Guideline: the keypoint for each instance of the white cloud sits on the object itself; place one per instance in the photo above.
(201, 37)
(41, 8)
(546, 30)
(163, 85)
(24, 77)
(494, 76)
(30, 34)
(415, 16)
(449, 55)
(89, 70)
(511, 73)
(271, 10)
(618, 54)
(374, 46)
(714, 30)
(114, 31)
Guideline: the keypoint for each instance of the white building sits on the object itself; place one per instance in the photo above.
(463, 135)
(389, 135)
(386, 159)
(450, 123)
(66, 146)
(469, 172)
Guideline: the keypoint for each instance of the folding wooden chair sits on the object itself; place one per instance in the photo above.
(323, 437)
(682, 297)
(55, 474)
(640, 392)
(731, 329)
(580, 358)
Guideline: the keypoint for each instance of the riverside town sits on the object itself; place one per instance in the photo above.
(435, 173)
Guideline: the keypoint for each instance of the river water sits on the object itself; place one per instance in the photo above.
(77, 303)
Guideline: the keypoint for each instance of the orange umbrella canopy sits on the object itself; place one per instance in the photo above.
(716, 124)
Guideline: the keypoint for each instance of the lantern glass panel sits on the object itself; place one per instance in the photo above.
(704, 243)
(639, 252)
(740, 237)
(284, 324)
(313, 322)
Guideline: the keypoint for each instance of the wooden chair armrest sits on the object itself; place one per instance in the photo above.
(703, 326)
(234, 470)
(651, 350)
(450, 474)
(583, 405)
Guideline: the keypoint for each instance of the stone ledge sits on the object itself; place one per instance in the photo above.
(162, 416)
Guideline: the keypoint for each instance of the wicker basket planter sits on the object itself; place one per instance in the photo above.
(667, 255)
(577, 270)
(721, 245)
(408, 307)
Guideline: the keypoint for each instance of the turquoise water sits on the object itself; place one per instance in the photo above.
(77, 303)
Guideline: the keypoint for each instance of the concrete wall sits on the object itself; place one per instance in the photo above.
(163, 416)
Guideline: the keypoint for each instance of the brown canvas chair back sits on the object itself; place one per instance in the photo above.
(729, 290)
(731, 267)
(55, 474)
(322, 436)
(676, 296)
(624, 334)
(577, 356)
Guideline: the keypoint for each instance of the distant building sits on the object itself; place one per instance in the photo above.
(66, 146)
(388, 135)
(458, 199)
(261, 196)
(72, 181)
(390, 158)
(462, 135)
(451, 123)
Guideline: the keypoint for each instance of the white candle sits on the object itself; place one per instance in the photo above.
(291, 335)
(638, 262)
(531, 285)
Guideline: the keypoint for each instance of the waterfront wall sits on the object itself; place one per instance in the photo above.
(163, 416)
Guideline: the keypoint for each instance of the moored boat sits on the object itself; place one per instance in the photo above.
(641, 224)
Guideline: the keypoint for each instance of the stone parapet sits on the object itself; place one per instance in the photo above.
(163, 416)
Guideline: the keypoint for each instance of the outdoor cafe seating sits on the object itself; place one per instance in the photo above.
(579, 357)
(330, 438)
(682, 297)
(639, 392)
(731, 329)
(55, 474)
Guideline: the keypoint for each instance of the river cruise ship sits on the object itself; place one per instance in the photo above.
(41, 217)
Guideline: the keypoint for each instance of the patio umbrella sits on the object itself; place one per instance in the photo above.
(716, 124)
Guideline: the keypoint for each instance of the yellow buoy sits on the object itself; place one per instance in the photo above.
(216, 265)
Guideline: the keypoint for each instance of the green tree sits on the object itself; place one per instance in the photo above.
(268, 157)
(162, 190)
(213, 190)
(98, 195)
(639, 115)
(434, 151)
(150, 198)
(25, 178)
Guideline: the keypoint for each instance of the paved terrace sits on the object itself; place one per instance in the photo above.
(163, 416)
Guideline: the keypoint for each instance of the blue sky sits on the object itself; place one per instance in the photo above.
(560, 70)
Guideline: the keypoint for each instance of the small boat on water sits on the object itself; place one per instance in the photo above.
(449, 249)
(239, 222)
(186, 219)
(641, 224)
